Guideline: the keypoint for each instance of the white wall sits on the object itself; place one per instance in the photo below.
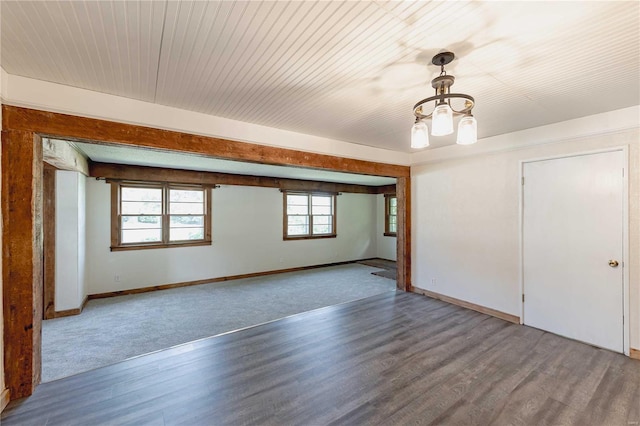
(247, 238)
(386, 246)
(466, 215)
(70, 240)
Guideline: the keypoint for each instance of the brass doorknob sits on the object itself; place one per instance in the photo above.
(613, 263)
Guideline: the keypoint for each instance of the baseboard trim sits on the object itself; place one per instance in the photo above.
(5, 396)
(70, 312)
(634, 353)
(478, 308)
(217, 280)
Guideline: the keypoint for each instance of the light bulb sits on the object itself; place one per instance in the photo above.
(467, 130)
(442, 120)
(419, 135)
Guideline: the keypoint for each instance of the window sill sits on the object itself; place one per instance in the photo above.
(306, 237)
(157, 246)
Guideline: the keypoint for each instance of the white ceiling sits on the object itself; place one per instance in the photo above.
(344, 70)
(145, 157)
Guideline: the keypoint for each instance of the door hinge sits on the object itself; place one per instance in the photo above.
(523, 180)
(623, 172)
(523, 298)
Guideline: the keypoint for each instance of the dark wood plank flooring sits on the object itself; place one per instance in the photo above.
(395, 358)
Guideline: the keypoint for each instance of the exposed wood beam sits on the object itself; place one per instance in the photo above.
(72, 127)
(22, 164)
(161, 174)
(49, 243)
(387, 189)
(61, 155)
(403, 236)
(22, 259)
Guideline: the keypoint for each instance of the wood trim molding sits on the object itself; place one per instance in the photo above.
(112, 171)
(468, 305)
(71, 312)
(73, 127)
(217, 279)
(5, 397)
(634, 353)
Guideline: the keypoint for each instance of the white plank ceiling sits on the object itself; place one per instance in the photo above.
(344, 70)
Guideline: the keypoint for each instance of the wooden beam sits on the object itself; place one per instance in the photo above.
(159, 174)
(61, 155)
(403, 236)
(49, 240)
(387, 189)
(22, 259)
(72, 127)
(22, 208)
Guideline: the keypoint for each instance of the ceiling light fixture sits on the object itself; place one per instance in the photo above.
(442, 113)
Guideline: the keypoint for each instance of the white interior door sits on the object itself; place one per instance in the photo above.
(572, 229)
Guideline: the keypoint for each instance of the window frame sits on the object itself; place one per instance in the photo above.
(310, 235)
(116, 215)
(387, 215)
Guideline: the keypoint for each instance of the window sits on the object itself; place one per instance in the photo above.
(156, 215)
(390, 215)
(309, 215)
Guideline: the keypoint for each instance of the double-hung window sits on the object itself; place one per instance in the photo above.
(156, 215)
(390, 215)
(309, 215)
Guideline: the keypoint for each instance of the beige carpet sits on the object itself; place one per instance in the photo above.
(389, 269)
(117, 328)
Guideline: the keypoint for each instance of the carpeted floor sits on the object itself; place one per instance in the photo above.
(388, 268)
(117, 328)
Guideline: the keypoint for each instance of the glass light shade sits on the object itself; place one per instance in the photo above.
(442, 123)
(467, 130)
(419, 135)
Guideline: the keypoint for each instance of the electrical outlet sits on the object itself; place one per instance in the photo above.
(433, 281)
(116, 278)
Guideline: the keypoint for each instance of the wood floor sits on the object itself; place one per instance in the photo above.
(396, 358)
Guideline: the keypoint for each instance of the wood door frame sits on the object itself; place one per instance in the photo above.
(626, 336)
(23, 283)
(49, 241)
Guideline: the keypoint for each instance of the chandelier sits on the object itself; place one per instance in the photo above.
(442, 112)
